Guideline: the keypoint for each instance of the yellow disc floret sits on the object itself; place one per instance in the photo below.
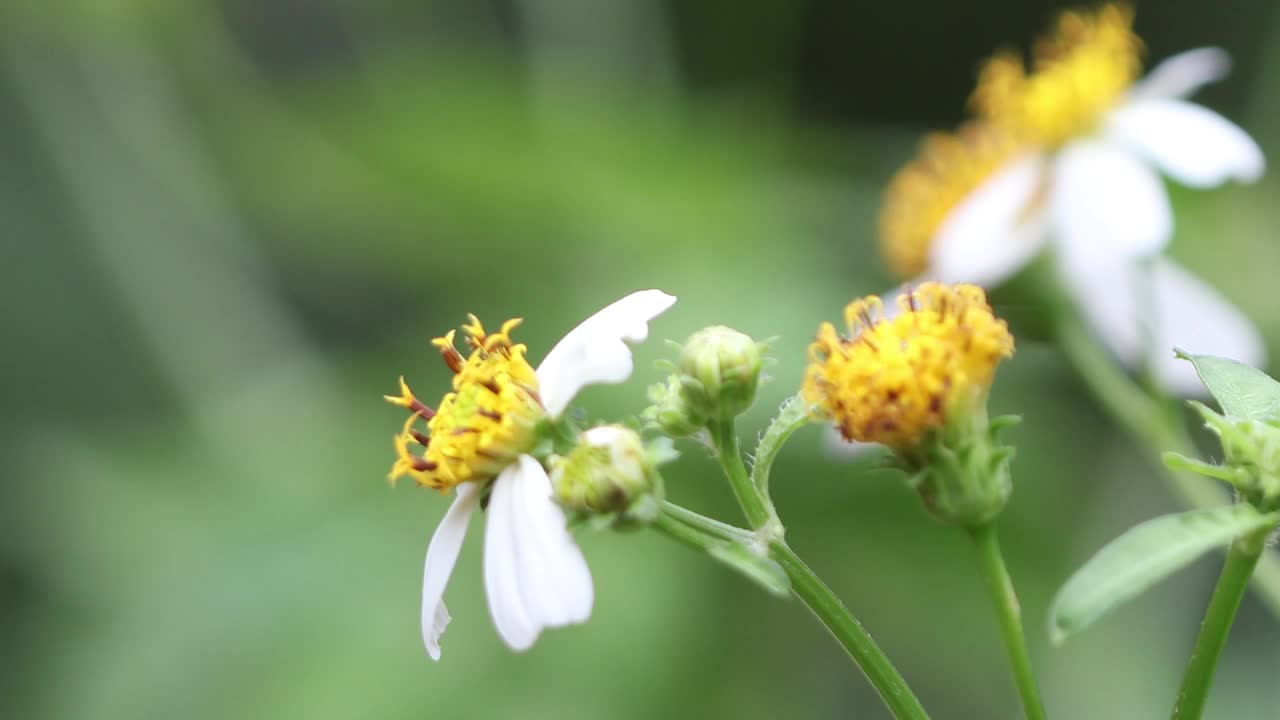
(892, 380)
(1077, 73)
(948, 167)
(488, 420)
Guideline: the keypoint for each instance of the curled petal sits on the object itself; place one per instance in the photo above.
(442, 554)
(995, 230)
(595, 351)
(1181, 75)
(1194, 145)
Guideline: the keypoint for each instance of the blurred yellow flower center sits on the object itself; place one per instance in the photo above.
(892, 381)
(1077, 74)
(488, 420)
(922, 194)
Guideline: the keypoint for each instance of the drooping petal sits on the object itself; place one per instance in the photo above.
(1187, 313)
(442, 554)
(535, 575)
(554, 579)
(994, 231)
(501, 577)
(595, 351)
(1106, 206)
(1193, 144)
(1181, 75)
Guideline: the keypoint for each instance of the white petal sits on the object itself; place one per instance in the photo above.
(554, 579)
(535, 575)
(1106, 206)
(1188, 314)
(501, 580)
(1182, 74)
(594, 352)
(442, 554)
(1193, 144)
(992, 232)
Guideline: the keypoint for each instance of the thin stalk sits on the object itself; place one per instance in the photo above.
(698, 521)
(1009, 613)
(686, 534)
(1242, 558)
(846, 629)
(755, 505)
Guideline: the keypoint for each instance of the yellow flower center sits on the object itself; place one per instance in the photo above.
(922, 194)
(892, 381)
(488, 420)
(1077, 74)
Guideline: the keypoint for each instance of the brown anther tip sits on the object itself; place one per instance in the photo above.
(452, 358)
(497, 417)
(420, 437)
(424, 465)
(422, 410)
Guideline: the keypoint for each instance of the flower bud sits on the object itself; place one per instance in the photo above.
(1250, 456)
(724, 366)
(671, 412)
(611, 477)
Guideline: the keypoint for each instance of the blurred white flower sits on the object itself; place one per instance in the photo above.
(535, 575)
(1067, 156)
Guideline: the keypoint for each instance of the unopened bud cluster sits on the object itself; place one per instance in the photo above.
(716, 379)
(1251, 456)
(611, 477)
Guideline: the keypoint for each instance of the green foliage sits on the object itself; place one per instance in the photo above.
(1242, 391)
(1143, 556)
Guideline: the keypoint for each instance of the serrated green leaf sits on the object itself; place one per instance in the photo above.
(1143, 556)
(764, 572)
(1240, 390)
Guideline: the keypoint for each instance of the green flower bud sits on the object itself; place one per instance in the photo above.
(721, 369)
(961, 470)
(1251, 456)
(610, 478)
(671, 412)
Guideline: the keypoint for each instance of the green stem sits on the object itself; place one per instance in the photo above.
(1150, 421)
(755, 505)
(685, 533)
(1009, 613)
(724, 531)
(855, 639)
(1242, 557)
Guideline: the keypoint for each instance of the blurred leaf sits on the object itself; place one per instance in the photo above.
(1242, 391)
(1141, 557)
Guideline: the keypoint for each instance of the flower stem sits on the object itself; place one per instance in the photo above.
(757, 507)
(846, 629)
(1242, 557)
(710, 526)
(1150, 421)
(1009, 613)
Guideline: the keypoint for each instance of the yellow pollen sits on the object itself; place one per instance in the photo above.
(1077, 73)
(894, 380)
(948, 167)
(483, 425)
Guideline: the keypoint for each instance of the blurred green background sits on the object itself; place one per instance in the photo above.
(230, 224)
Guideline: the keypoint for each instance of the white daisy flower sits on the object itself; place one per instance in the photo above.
(480, 437)
(1066, 156)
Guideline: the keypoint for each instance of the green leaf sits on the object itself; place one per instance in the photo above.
(764, 572)
(1242, 391)
(1143, 556)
